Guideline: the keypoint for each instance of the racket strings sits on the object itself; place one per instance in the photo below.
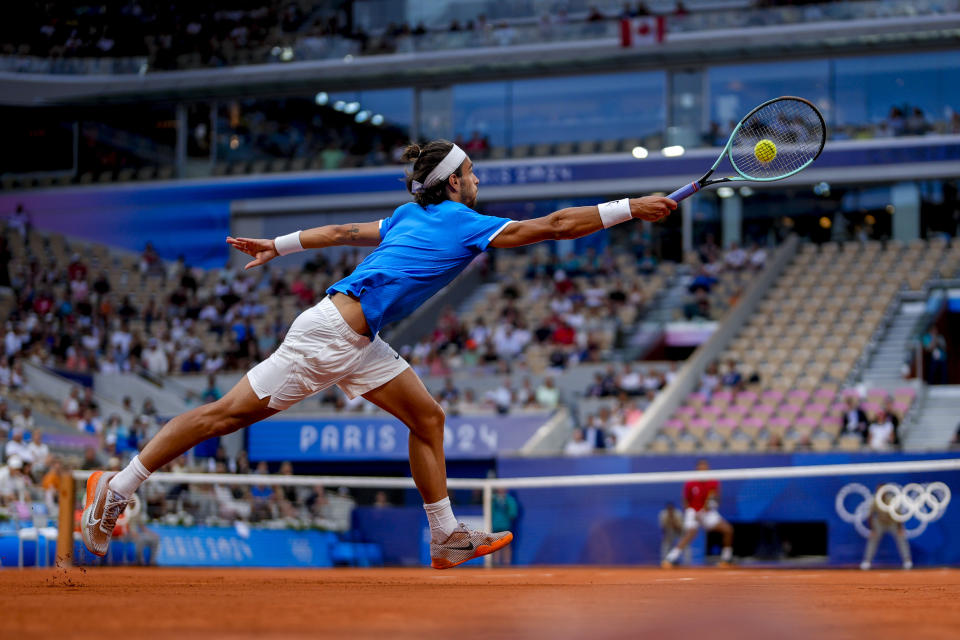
(793, 126)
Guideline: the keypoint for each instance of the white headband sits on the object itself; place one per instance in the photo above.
(450, 163)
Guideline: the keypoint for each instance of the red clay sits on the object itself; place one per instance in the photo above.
(550, 603)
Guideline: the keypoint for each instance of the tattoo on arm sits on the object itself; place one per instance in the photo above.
(354, 232)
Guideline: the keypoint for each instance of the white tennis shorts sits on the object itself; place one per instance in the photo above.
(321, 350)
(709, 518)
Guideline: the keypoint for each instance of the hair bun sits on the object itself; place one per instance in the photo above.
(411, 153)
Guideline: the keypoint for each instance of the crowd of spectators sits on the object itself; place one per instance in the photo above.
(725, 376)
(902, 120)
(264, 504)
(503, 399)
(162, 32)
(30, 470)
(879, 431)
(176, 34)
(71, 316)
(30, 474)
(626, 394)
(109, 440)
(563, 310)
(730, 269)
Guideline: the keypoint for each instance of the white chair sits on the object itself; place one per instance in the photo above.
(36, 535)
(26, 534)
(48, 534)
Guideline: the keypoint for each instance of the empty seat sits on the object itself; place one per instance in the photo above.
(850, 443)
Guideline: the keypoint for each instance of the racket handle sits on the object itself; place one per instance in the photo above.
(684, 192)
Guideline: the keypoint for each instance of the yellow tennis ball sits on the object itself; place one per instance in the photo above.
(765, 151)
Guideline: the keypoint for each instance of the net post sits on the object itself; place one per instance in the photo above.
(488, 518)
(66, 497)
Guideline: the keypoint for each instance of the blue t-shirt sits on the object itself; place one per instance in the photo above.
(421, 250)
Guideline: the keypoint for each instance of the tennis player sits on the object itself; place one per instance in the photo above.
(700, 509)
(419, 249)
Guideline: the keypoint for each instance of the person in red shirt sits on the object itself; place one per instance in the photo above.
(700, 509)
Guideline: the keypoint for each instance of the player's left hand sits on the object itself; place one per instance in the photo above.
(651, 208)
(261, 249)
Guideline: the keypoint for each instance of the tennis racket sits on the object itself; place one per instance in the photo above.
(776, 140)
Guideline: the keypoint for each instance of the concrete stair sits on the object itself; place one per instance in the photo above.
(885, 365)
(936, 420)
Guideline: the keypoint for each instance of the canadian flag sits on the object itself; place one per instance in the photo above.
(640, 32)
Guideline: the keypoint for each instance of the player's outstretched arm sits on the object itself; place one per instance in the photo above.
(576, 222)
(358, 234)
(263, 250)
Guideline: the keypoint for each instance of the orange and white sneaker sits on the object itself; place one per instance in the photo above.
(100, 514)
(465, 544)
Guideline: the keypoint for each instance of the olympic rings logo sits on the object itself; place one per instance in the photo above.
(923, 503)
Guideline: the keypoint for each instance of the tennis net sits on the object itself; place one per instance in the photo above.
(820, 515)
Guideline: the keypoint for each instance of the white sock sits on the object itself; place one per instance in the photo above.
(727, 554)
(440, 517)
(125, 483)
(674, 554)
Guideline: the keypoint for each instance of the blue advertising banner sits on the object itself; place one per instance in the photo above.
(619, 524)
(383, 438)
(242, 547)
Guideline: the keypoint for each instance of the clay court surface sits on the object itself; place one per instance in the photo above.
(473, 603)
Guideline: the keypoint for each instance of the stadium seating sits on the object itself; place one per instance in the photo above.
(815, 323)
(804, 347)
(770, 421)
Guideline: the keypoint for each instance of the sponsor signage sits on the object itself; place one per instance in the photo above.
(242, 547)
(380, 438)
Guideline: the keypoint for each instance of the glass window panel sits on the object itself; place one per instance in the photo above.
(395, 105)
(481, 107)
(736, 89)
(869, 88)
(435, 114)
(599, 107)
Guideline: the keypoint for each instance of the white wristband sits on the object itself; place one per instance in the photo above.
(288, 244)
(615, 212)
